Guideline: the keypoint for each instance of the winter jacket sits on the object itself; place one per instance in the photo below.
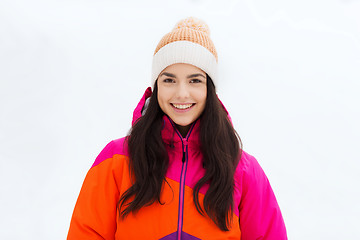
(257, 215)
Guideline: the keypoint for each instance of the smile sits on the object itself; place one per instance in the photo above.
(182, 106)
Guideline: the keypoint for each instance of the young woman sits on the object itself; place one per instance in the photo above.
(181, 172)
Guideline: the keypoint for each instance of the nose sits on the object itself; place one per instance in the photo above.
(183, 91)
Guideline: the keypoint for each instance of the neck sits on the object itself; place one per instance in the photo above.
(183, 129)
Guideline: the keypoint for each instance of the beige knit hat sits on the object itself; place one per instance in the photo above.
(188, 42)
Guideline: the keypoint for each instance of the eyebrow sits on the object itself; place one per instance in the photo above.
(189, 76)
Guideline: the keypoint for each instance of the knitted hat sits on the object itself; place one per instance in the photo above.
(188, 42)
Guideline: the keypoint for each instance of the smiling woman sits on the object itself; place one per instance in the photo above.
(182, 94)
(181, 173)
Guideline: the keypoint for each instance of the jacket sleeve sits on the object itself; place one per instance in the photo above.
(94, 215)
(260, 215)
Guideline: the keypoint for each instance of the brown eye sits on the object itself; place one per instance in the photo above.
(195, 81)
(168, 80)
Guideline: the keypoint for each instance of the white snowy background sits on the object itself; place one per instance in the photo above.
(71, 73)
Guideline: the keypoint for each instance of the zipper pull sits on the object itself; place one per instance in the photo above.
(185, 143)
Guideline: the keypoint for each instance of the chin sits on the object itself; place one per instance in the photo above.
(183, 123)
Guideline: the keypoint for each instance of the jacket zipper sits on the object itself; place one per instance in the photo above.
(182, 189)
(182, 178)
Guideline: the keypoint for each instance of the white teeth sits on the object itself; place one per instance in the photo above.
(182, 106)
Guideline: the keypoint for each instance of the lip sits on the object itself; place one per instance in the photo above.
(182, 110)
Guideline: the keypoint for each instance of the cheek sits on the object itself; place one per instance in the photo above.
(160, 101)
(163, 97)
(201, 96)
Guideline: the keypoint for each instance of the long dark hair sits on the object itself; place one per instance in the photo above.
(221, 148)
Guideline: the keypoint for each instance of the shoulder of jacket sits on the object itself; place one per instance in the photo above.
(249, 173)
(246, 162)
(117, 146)
(248, 167)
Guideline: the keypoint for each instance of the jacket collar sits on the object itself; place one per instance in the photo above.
(138, 110)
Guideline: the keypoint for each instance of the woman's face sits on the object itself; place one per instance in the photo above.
(182, 93)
